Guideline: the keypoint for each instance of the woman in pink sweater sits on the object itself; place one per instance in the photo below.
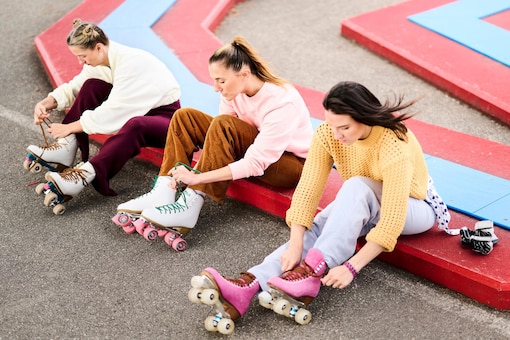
(263, 131)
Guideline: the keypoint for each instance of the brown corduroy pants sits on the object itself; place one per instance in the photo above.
(223, 140)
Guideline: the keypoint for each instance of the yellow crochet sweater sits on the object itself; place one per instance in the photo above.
(399, 165)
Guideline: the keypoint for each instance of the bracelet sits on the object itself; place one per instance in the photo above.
(353, 272)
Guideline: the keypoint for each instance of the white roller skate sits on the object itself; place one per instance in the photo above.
(172, 221)
(62, 187)
(55, 157)
(128, 212)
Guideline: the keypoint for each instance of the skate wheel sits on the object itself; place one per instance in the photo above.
(36, 168)
(281, 307)
(150, 234)
(210, 323)
(197, 282)
(265, 300)
(140, 225)
(59, 209)
(226, 326)
(26, 163)
(194, 295)
(209, 296)
(303, 316)
(129, 229)
(179, 244)
(39, 189)
(123, 219)
(49, 198)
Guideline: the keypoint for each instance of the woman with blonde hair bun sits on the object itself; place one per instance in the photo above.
(123, 91)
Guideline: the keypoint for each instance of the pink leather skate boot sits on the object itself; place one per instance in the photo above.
(236, 294)
(304, 281)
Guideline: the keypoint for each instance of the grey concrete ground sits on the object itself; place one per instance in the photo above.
(79, 276)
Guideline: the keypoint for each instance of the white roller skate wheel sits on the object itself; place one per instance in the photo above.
(281, 307)
(194, 295)
(265, 300)
(49, 198)
(26, 164)
(39, 189)
(59, 209)
(36, 168)
(209, 324)
(226, 326)
(198, 281)
(303, 316)
(209, 296)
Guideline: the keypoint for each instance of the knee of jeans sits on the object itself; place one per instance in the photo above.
(134, 123)
(222, 120)
(359, 185)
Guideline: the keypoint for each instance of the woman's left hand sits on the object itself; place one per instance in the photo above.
(57, 130)
(182, 174)
(338, 277)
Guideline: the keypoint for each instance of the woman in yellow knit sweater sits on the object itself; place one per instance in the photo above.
(386, 194)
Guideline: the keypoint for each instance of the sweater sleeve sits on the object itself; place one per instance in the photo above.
(130, 97)
(315, 174)
(277, 130)
(397, 178)
(66, 93)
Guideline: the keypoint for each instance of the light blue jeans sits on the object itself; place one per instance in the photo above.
(335, 229)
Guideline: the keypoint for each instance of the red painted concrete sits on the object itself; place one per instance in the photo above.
(466, 74)
(434, 255)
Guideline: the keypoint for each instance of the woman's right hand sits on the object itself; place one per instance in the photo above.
(40, 113)
(290, 258)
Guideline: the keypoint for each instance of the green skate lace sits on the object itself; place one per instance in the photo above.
(172, 208)
(181, 186)
(154, 180)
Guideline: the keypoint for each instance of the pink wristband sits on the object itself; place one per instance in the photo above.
(353, 272)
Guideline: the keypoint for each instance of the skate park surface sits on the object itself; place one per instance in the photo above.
(82, 277)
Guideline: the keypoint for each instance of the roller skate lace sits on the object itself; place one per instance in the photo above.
(172, 208)
(74, 175)
(154, 180)
(300, 272)
(246, 280)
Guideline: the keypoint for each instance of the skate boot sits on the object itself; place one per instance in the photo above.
(56, 157)
(482, 239)
(128, 212)
(171, 221)
(231, 297)
(292, 291)
(62, 187)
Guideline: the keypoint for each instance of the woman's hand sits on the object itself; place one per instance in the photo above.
(290, 258)
(59, 130)
(338, 277)
(181, 174)
(292, 255)
(41, 109)
(40, 113)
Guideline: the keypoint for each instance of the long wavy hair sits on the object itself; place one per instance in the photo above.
(358, 102)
